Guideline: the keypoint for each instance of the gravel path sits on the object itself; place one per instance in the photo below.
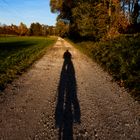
(67, 100)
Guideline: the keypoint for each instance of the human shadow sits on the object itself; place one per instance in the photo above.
(67, 109)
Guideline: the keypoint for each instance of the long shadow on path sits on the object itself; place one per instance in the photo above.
(67, 109)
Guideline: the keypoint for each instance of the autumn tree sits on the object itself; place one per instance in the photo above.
(9, 29)
(92, 19)
(14, 29)
(62, 28)
(23, 30)
(35, 29)
(88, 18)
(63, 7)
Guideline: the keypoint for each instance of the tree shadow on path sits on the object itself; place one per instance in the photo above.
(67, 110)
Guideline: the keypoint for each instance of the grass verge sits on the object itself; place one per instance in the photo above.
(120, 56)
(18, 53)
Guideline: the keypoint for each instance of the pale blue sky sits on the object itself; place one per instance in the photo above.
(26, 11)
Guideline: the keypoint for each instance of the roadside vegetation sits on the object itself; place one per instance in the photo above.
(120, 56)
(18, 53)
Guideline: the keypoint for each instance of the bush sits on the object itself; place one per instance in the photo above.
(120, 56)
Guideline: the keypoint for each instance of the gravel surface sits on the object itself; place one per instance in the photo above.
(67, 100)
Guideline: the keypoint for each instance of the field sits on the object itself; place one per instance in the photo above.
(18, 53)
(120, 56)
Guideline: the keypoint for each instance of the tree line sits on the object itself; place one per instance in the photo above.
(35, 29)
(94, 19)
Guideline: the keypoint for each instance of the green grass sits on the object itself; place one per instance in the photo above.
(120, 57)
(18, 53)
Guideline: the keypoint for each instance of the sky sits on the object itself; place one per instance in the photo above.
(26, 11)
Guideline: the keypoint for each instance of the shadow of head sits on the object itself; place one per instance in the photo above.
(67, 56)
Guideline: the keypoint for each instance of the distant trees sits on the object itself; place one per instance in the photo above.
(11, 30)
(14, 30)
(35, 29)
(62, 28)
(22, 29)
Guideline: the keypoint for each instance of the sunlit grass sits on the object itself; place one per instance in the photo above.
(18, 53)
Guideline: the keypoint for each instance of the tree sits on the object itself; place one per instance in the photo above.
(63, 7)
(83, 17)
(45, 31)
(62, 28)
(23, 30)
(132, 9)
(35, 29)
(51, 30)
(92, 19)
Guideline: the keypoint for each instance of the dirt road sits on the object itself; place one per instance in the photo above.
(71, 99)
